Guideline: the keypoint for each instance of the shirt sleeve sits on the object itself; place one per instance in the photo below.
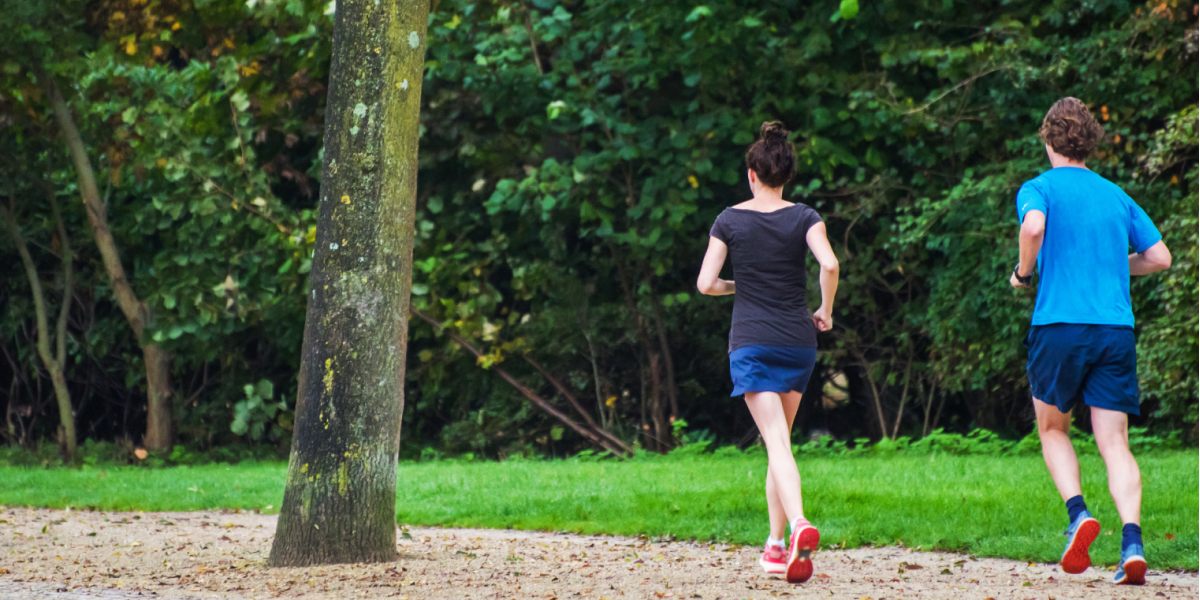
(1142, 232)
(719, 230)
(811, 219)
(1029, 198)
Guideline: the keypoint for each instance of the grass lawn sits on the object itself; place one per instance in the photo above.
(990, 506)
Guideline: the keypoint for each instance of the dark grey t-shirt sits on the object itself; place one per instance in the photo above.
(768, 252)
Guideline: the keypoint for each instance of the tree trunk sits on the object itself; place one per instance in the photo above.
(160, 430)
(904, 394)
(54, 365)
(660, 440)
(933, 383)
(137, 313)
(339, 503)
(664, 344)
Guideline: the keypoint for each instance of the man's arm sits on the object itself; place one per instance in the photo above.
(1033, 231)
(1156, 258)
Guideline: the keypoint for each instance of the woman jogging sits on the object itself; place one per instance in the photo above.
(773, 339)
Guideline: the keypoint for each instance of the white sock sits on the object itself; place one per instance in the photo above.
(778, 542)
(795, 523)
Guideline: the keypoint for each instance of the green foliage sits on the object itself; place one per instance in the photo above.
(259, 417)
(573, 156)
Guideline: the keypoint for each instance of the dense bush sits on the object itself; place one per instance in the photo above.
(573, 156)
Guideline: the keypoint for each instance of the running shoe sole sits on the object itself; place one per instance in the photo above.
(771, 568)
(1135, 571)
(1076, 559)
(800, 566)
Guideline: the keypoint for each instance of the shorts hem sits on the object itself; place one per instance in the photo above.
(741, 392)
(1066, 407)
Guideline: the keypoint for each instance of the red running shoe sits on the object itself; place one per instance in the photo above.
(773, 559)
(805, 538)
(1075, 558)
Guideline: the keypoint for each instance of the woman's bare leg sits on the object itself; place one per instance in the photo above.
(779, 521)
(773, 425)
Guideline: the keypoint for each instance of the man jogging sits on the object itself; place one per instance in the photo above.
(1078, 227)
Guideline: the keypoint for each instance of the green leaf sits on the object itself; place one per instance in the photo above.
(168, 301)
(699, 11)
(265, 389)
(556, 433)
(848, 9)
(239, 427)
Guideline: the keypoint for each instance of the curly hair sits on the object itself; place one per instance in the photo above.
(1070, 129)
(772, 157)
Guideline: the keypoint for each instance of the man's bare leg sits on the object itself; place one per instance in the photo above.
(1124, 478)
(1053, 429)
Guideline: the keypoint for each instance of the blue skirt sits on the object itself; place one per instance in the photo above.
(779, 369)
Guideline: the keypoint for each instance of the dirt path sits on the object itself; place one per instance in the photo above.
(61, 555)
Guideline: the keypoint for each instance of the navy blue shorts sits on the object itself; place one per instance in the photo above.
(779, 369)
(1093, 363)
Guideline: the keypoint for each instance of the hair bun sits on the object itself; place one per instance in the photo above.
(773, 131)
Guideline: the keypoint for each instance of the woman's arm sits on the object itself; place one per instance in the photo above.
(708, 283)
(819, 244)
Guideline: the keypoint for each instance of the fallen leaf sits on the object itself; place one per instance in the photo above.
(1170, 536)
(140, 453)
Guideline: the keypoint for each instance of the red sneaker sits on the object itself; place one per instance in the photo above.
(805, 538)
(773, 559)
(1080, 535)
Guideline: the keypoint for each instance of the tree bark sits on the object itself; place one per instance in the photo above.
(158, 376)
(339, 503)
(54, 363)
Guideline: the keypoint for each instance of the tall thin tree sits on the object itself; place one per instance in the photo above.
(339, 503)
(160, 432)
(56, 360)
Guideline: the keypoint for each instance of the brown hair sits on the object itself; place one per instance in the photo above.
(1070, 129)
(772, 157)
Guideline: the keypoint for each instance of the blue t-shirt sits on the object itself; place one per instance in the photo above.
(1083, 265)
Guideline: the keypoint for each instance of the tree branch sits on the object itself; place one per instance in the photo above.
(586, 432)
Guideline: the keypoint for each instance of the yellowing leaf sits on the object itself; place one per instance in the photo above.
(453, 22)
(692, 180)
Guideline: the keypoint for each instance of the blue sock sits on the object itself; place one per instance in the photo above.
(1131, 534)
(1074, 507)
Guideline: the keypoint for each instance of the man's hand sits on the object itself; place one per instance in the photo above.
(1013, 281)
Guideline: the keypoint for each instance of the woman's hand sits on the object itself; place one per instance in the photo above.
(819, 244)
(823, 319)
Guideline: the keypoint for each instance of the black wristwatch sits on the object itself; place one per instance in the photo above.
(1026, 280)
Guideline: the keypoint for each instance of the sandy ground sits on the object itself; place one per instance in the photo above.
(50, 554)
